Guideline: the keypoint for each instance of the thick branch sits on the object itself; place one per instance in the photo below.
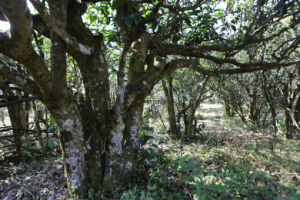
(196, 51)
(18, 44)
(60, 31)
(195, 65)
(40, 26)
(18, 15)
(20, 80)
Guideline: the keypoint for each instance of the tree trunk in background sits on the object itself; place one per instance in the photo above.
(15, 119)
(14, 116)
(168, 90)
(297, 111)
(185, 116)
(196, 105)
(227, 107)
(253, 112)
(288, 104)
(270, 100)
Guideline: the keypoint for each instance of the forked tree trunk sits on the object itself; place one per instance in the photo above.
(121, 163)
(168, 90)
(196, 105)
(97, 153)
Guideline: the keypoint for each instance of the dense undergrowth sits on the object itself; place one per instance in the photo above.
(228, 160)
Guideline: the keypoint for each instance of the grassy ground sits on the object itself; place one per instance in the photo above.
(228, 153)
(229, 160)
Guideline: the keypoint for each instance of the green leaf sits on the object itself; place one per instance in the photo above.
(93, 18)
(214, 187)
(129, 20)
(250, 182)
(184, 158)
(113, 39)
(188, 21)
(187, 178)
(176, 163)
(198, 187)
(255, 148)
(161, 142)
(147, 137)
(143, 133)
(154, 25)
(187, 166)
(195, 12)
(137, 148)
(135, 5)
(117, 3)
(137, 17)
(144, 139)
(51, 144)
(154, 145)
(170, 197)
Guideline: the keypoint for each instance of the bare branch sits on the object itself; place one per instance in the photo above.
(2, 105)
(171, 7)
(195, 65)
(29, 149)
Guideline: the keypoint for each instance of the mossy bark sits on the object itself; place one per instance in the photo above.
(90, 131)
(121, 160)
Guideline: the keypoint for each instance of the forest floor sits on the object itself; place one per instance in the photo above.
(229, 160)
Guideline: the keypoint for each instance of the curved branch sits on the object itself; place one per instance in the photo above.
(18, 15)
(196, 51)
(195, 65)
(20, 80)
(40, 26)
(17, 45)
